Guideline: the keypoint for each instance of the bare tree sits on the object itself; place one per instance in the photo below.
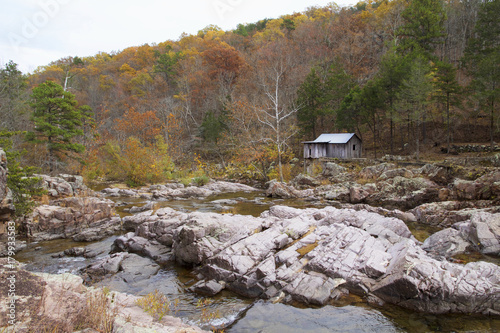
(276, 105)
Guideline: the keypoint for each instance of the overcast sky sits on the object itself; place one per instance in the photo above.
(36, 32)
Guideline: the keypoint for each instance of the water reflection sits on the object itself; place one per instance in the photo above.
(266, 317)
(243, 203)
(278, 318)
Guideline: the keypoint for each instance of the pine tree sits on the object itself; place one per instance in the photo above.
(447, 91)
(321, 95)
(414, 96)
(25, 187)
(393, 70)
(311, 98)
(13, 95)
(482, 60)
(423, 28)
(57, 119)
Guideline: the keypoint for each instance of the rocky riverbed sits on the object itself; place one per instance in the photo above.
(310, 256)
(347, 237)
(61, 303)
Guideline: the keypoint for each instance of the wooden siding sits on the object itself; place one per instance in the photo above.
(315, 150)
(351, 149)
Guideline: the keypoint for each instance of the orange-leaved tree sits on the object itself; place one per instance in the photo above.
(143, 125)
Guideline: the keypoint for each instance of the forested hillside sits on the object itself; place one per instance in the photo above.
(404, 75)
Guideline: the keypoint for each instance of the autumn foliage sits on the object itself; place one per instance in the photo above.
(144, 126)
(216, 94)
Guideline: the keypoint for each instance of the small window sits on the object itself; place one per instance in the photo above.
(353, 147)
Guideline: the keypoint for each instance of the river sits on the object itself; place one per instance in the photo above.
(236, 314)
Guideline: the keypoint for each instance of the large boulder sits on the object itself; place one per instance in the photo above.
(415, 281)
(162, 226)
(228, 187)
(481, 232)
(130, 223)
(121, 192)
(358, 194)
(339, 192)
(144, 247)
(446, 213)
(64, 185)
(485, 232)
(304, 182)
(467, 190)
(404, 193)
(72, 216)
(99, 230)
(486, 187)
(447, 243)
(332, 170)
(205, 234)
(374, 171)
(313, 288)
(115, 269)
(437, 174)
(6, 206)
(278, 189)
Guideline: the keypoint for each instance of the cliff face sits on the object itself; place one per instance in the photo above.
(6, 207)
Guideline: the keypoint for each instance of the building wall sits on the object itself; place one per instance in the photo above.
(337, 150)
(354, 148)
(351, 149)
(315, 150)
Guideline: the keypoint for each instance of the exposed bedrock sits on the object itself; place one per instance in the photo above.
(6, 206)
(61, 303)
(179, 191)
(480, 233)
(82, 218)
(316, 255)
(393, 187)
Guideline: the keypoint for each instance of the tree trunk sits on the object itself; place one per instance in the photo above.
(374, 137)
(492, 122)
(448, 123)
(391, 115)
(424, 127)
(392, 135)
(417, 140)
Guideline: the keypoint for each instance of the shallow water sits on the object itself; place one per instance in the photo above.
(38, 256)
(358, 317)
(237, 314)
(277, 318)
(253, 203)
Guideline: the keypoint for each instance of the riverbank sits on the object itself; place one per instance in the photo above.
(61, 303)
(278, 253)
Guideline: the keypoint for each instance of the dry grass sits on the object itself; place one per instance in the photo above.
(99, 312)
(364, 181)
(208, 315)
(157, 305)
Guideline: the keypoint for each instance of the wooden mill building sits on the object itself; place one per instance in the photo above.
(339, 145)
